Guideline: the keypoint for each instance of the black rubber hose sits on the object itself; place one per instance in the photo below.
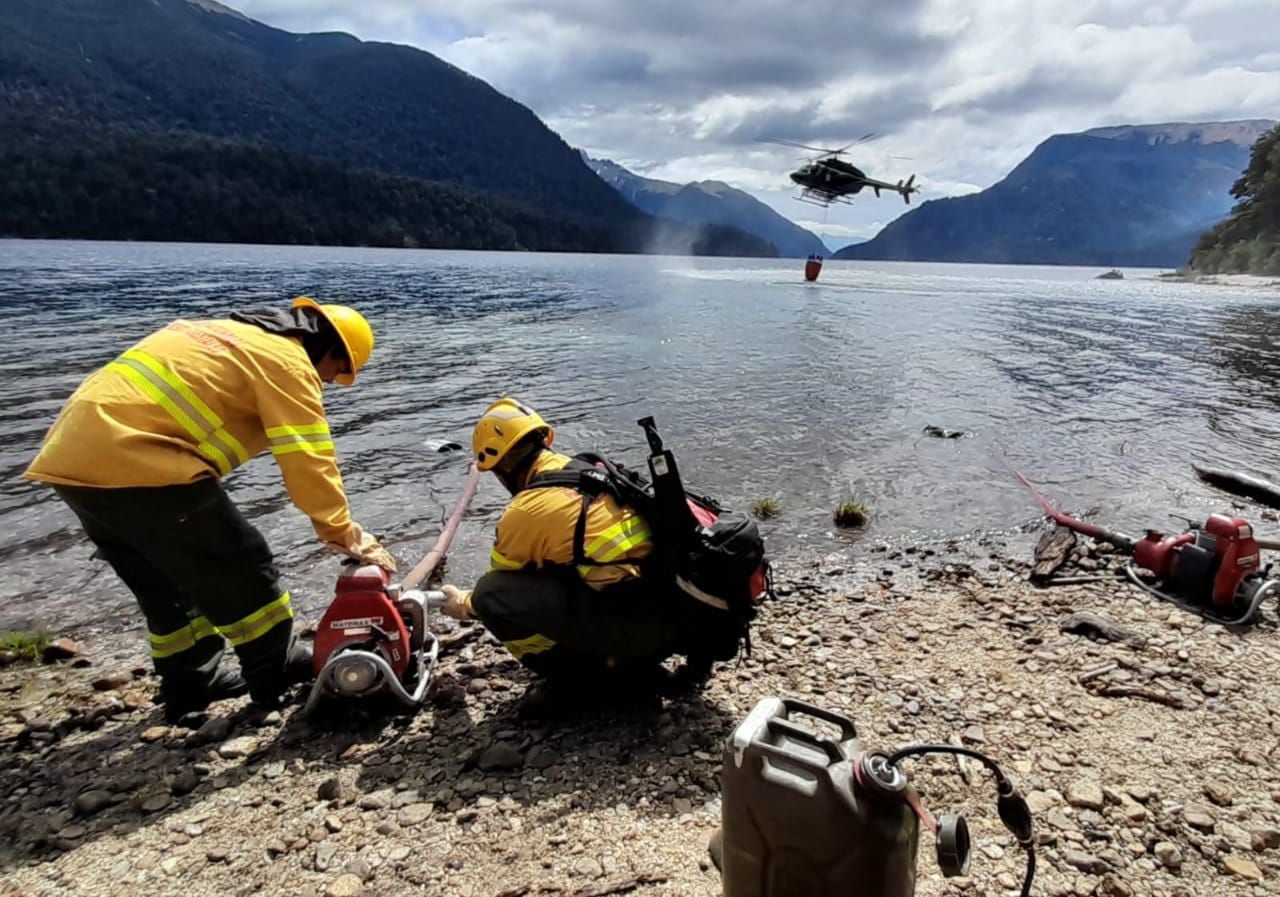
(1010, 805)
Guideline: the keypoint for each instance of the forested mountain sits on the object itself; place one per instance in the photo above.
(1248, 242)
(1133, 195)
(709, 202)
(90, 78)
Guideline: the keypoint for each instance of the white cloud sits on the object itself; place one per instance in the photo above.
(965, 88)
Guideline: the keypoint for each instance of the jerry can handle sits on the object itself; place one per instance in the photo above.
(787, 769)
(799, 733)
(845, 724)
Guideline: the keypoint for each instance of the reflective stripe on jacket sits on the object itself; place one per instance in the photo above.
(536, 529)
(198, 399)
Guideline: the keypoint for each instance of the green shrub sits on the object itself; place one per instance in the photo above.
(765, 508)
(24, 645)
(851, 513)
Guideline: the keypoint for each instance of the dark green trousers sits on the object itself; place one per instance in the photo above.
(202, 575)
(558, 626)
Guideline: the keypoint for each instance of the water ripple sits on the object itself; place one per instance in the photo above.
(1104, 391)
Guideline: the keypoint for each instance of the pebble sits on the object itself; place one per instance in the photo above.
(330, 789)
(1264, 839)
(325, 852)
(415, 814)
(587, 867)
(184, 782)
(1085, 862)
(59, 649)
(1218, 794)
(1242, 867)
(345, 885)
(500, 756)
(378, 800)
(91, 802)
(155, 803)
(153, 734)
(1168, 855)
(1085, 794)
(1199, 818)
(111, 682)
(238, 747)
(214, 730)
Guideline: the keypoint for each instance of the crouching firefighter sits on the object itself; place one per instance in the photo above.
(139, 449)
(597, 575)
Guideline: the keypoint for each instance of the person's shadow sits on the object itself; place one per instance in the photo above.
(467, 751)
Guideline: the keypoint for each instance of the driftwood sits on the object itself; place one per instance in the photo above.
(1052, 552)
(1137, 691)
(1097, 626)
(454, 640)
(1241, 484)
(623, 887)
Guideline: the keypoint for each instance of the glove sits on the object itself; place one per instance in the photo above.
(367, 550)
(457, 603)
(381, 557)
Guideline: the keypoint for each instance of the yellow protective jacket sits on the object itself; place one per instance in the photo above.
(198, 399)
(536, 530)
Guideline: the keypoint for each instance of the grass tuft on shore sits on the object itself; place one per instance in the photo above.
(24, 645)
(851, 513)
(765, 508)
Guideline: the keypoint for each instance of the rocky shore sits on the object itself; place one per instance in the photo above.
(1147, 741)
(1250, 281)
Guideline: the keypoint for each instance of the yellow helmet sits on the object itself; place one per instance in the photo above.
(353, 330)
(504, 424)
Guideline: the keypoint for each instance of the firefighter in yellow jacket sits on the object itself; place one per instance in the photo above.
(566, 592)
(139, 449)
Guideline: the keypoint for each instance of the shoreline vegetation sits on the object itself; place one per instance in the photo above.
(1248, 240)
(1147, 749)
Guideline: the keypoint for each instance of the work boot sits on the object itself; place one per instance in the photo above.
(633, 687)
(690, 678)
(298, 666)
(270, 690)
(181, 699)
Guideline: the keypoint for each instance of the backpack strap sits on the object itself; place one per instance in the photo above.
(590, 475)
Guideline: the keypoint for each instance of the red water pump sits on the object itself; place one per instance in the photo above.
(374, 638)
(1213, 570)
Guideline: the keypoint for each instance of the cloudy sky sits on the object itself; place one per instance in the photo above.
(682, 89)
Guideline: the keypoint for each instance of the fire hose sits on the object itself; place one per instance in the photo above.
(425, 567)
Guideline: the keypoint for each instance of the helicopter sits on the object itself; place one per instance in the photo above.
(828, 178)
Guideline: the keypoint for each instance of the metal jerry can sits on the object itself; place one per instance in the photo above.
(796, 818)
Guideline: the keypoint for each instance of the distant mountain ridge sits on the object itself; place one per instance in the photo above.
(708, 202)
(86, 79)
(1130, 195)
(198, 66)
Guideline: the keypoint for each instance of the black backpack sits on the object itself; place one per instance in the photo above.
(714, 556)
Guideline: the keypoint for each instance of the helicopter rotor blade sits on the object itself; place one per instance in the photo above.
(816, 149)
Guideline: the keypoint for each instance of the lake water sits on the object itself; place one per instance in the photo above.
(766, 386)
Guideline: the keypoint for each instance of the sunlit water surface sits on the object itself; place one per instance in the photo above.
(766, 386)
